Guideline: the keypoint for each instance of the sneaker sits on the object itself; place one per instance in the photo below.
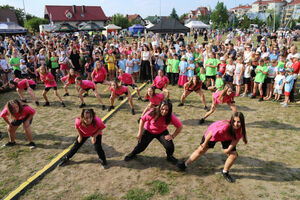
(181, 104)
(129, 157)
(63, 161)
(172, 160)
(132, 112)
(201, 121)
(120, 98)
(24, 100)
(103, 107)
(104, 164)
(181, 166)
(46, 103)
(243, 95)
(260, 99)
(31, 145)
(111, 108)
(66, 94)
(284, 105)
(252, 97)
(206, 108)
(82, 105)
(9, 144)
(140, 99)
(37, 103)
(227, 177)
(85, 95)
(63, 104)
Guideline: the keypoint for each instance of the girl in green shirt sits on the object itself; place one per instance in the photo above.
(54, 65)
(15, 63)
(211, 69)
(261, 73)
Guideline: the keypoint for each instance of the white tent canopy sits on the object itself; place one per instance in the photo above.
(149, 25)
(112, 27)
(197, 24)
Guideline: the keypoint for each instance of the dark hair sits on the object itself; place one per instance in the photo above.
(78, 79)
(11, 110)
(13, 83)
(153, 88)
(191, 81)
(87, 111)
(156, 111)
(242, 119)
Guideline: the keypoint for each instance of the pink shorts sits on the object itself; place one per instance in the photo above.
(64, 67)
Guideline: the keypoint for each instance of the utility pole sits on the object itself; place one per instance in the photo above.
(24, 10)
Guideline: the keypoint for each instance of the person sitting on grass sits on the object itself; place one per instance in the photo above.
(19, 113)
(24, 84)
(229, 133)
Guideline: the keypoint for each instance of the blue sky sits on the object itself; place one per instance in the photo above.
(110, 7)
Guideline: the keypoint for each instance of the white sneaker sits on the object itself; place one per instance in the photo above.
(284, 105)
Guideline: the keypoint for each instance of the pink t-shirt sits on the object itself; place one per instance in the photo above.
(122, 89)
(226, 99)
(126, 79)
(158, 126)
(27, 110)
(90, 129)
(99, 76)
(155, 100)
(22, 84)
(220, 131)
(71, 79)
(48, 83)
(86, 84)
(160, 82)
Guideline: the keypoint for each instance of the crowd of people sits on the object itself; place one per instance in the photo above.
(244, 63)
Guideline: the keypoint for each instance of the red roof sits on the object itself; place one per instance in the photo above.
(82, 13)
(132, 17)
(294, 2)
(203, 11)
(270, 1)
(242, 7)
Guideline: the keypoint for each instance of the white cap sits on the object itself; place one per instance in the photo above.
(222, 59)
(22, 61)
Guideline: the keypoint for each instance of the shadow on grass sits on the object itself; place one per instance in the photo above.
(272, 125)
(195, 122)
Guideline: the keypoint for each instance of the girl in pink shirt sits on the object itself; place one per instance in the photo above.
(161, 82)
(83, 86)
(219, 97)
(194, 85)
(228, 133)
(154, 124)
(99, 74)
(19, 114)
(127, 80)
(68, 80)
(155, 99)
(24, 84)
(49, 81)
(87, 125)
(116, 91)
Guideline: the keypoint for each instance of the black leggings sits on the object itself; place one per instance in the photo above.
(97, 145)
(145, 72)
(147, 137)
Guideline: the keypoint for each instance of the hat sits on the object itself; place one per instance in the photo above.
(281, 69)
(290, 69)
(222, 59)
(219, 73)
(191, 59)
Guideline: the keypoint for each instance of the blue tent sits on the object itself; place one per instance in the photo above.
(136, 28)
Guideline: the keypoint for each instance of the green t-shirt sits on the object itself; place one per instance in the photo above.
(211, 71)
(197, 70)
(260, 77)
(54, 64)
(169, 64)
(218, 61)
(202, 77)
(281, 64)
(175, 66)
(15, 61)
(219, 83)
(197, 55)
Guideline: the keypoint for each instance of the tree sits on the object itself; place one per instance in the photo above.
(204, 18)
(245, 22)
(174, 14)
(219, 16)
(120, 20)
(270, 20)
(34, 23)
(257, 21)
(182, 16)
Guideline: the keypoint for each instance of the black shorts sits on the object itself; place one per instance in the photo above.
(101, 82)
(133, 86)
(246, 80)
(19, 122)
(211, 144)
(212, 77)
(228, 78)
(126, 93)
(32, 87)
(270, 80)
(48, 88)
(87, 89)
(161, 89)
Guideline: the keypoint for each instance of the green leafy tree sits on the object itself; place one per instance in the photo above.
(292, 24)
(204, 18)
(174, 14)
(182, 16)
(34, 23)
(245, 22)
(257, 21)
(153, 19)
(219, 16)
(120, 20)
(270, 20)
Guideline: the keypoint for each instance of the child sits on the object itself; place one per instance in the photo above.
(63, 63)
(68, 80)
(169, 66)
(247, 77)
(202, 76)
(279, 83)
(281, 63)
(31, 68)
(154, 98)
(129, 65)
(161, 82)
(127, 80)
(110, 60)
(83, 86)
(54, 64)
(222, 66)
(49, 82)
(270, 79)
(230, 68)
(122, 63)
(288, 86)
(261, 73)
(5, 67)
(219, 83)
(99, 74)
(190, 69)
(23, 68)
(182, 72)
(136, 67)
(19, 114)
(88, 68)
(238, 75)
(116, 91)
(87, 125)
(22, 85)
(211, 70)
(175, 70)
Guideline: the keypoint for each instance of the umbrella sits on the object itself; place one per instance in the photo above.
(91, 26)
(64, 27)
(197, 24)
(112, 27)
